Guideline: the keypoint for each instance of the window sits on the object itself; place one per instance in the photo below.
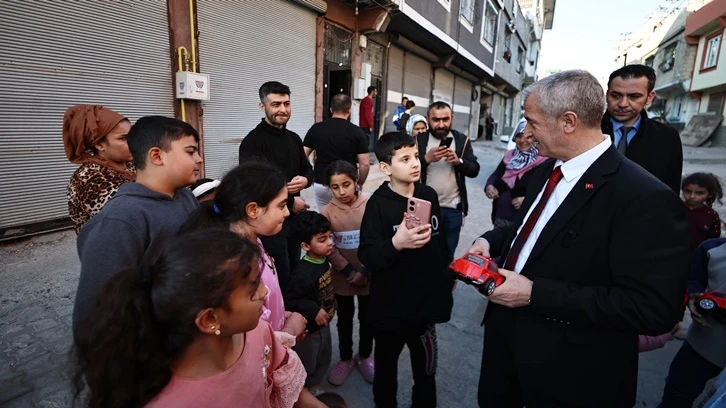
(336, 48)
(507, 44)
(467, 11)
(489, 24)
(669, 58)
(650, 61)
(446, 4)
(520, 60)
(710, 54)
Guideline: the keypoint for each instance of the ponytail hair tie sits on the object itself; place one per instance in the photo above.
(216, 210)
(143, 274)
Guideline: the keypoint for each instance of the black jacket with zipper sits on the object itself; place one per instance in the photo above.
(411, 287)
(468, 168)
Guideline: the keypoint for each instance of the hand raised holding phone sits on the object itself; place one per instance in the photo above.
(412, 238)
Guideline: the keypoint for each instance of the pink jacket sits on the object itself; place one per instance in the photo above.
(648, 343)
(346, 221)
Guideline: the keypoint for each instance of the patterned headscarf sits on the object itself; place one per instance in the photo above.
(84, 126)
(519, 162)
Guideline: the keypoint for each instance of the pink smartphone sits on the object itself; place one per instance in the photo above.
(418, 212)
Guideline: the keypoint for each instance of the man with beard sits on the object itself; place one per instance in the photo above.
(654, 146)
(446, 158)
(271, 141)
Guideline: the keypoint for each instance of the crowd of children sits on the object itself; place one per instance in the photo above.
(179, 304)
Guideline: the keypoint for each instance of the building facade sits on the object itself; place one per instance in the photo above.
(428, 50)
(705, 31)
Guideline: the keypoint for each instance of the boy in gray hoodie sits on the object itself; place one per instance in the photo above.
(132, 227)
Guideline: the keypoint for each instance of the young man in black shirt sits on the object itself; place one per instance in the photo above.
(336, 139)
(310, 293)
(271, 141)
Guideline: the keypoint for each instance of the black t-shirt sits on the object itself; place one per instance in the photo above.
(334, 139)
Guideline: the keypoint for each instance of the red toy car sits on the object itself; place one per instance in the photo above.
(713, 303)
(478, 271)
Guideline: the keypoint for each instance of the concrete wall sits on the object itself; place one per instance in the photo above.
(448, 22)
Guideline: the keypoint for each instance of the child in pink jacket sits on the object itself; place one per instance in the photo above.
(345, 213)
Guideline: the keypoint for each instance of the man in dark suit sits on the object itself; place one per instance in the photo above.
(654, 146)
(597, 254)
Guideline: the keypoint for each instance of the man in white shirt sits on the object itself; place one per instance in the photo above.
(598, 255)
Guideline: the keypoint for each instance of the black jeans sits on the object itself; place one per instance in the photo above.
(346, 309)
(421, 342)
(687, 377)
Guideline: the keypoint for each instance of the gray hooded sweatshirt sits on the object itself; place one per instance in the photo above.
(130, 229)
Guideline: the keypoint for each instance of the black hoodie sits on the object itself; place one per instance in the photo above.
(410, 287)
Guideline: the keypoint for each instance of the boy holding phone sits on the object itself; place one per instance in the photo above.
(410, 282)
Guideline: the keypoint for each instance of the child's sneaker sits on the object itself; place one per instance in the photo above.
(367, 367)
(340, 372)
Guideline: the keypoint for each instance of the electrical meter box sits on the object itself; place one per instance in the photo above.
(192, 85)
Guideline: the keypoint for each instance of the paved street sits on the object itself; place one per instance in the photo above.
(39, 277)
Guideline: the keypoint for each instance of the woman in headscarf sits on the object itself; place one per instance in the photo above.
(508, 184)
(95, 138)
(416, 124)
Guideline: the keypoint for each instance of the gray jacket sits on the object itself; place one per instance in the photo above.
(130, 229)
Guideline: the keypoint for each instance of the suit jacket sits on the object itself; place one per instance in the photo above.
(610, 264)
(655, 147)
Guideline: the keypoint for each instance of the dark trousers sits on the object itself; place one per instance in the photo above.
(285, 252)
(452, 220)
(421, 342)
(346, 309)
(499, 385)
(687, 377)
(490, 133)
(369, 136)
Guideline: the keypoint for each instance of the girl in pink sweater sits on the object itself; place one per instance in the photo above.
(186, 332)
(345, 213)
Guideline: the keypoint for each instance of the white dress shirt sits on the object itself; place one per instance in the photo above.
(572, 170)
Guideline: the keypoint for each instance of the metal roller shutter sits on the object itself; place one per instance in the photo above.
(58, 54)
(240, 53)
(417, 81)
(443, 86)
(462, 104)
(395, 86)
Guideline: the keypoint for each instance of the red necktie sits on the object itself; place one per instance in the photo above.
(511, 261)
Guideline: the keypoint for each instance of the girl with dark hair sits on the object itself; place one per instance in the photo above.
(345, 212)
(186, 331)
(700, 191)
(251, 200)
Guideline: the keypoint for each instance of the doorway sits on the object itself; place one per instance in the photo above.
(336, 80)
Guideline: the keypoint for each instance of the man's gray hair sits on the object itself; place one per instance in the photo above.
(576, 90)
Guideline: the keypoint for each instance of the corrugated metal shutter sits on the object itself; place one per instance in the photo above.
(240, 52)
(395, 86)
(462, 104)
(417, 81)
(443, 86)
(58, 54)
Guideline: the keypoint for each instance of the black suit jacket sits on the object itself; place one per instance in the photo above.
(655, 147)
(610, 264)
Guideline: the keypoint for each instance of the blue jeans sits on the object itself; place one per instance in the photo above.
(687, 377)
(452, 220)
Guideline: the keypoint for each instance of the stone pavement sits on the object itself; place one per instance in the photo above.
(39, 277)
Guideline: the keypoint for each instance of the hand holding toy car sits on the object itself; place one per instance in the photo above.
(516, 290)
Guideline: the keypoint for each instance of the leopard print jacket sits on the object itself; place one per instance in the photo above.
(90, 188)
